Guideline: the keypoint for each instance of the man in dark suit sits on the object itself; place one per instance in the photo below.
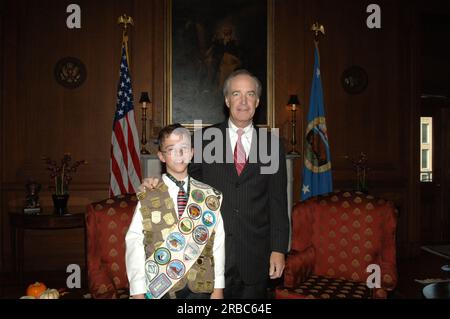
(254, 207)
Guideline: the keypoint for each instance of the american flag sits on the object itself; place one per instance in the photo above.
(125, 163)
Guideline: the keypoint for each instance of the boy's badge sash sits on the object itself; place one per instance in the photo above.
(184, 242)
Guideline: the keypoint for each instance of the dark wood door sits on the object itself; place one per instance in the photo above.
(435, 194)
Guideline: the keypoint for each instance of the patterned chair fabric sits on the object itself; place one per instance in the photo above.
(107, 223)
(334, 238)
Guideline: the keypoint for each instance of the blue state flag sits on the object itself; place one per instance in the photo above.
(317, 177)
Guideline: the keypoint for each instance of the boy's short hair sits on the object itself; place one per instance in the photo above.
(175, 128)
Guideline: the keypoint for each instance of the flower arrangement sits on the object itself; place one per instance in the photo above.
(62, 174)
(361, 167)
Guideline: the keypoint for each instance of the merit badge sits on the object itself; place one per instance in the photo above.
(159, 285)
(163, 188)
(199, 184)
(175, 242)
(169, 203)
(192, 274)
(155, 202)
(165, 232)
(209, 219)
(185, 225)
(147, 224)
(212, 202)
(169, 219)
(162, 256)
(156, 217)
(176, 269)
(191, 251)
(198, 195)
(194, 211)
(144, 210)
(151, 270)
(141, 196)
(200, 234)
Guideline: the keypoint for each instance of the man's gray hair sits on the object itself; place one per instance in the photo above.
(226, 85)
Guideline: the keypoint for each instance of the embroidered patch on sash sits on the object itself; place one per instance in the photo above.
(151, 270)
(159, 285)
(192, 274)
(175, 242)
(156, 217)
(144, 210)
(200, 234)
(199, 184)
(169, 219)
(198, 195)
(147, 224)
(155, 202)
(185, 226)
(165, 232)
(194, 211)
(209, 219)
(176, 269)
(162, 255)
(191, 251)
(168, 202)
(141, 196)
(212, 202)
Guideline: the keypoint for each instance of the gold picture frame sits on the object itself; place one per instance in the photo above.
(205, 40)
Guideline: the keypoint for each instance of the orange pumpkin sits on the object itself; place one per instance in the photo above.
(36, 289)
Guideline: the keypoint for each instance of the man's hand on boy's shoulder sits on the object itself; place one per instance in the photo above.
(149, 183)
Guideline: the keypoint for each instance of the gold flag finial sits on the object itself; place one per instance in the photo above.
(125, 20)
(317, 28)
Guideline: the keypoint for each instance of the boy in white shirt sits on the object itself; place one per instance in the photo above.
(175, 246)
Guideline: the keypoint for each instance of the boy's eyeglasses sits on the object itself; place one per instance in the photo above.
(177, 151)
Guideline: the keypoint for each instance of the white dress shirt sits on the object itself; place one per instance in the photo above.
(246, 137)
(135, 250)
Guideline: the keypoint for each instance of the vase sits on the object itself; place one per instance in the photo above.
(60, 203)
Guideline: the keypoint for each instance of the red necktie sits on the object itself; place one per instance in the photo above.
(239, 153)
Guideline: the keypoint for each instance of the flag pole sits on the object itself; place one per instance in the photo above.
(125, 20)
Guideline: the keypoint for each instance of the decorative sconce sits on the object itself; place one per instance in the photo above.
(144, 100)
(292, 105)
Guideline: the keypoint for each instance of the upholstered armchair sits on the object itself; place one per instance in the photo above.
(334, 239)
(107, 223)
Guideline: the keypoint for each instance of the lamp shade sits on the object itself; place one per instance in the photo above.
(293, 99)
(144, 97)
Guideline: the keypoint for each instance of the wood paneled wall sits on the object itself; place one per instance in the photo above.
(40, 117)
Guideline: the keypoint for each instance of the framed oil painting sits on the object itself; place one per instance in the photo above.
(205, 42)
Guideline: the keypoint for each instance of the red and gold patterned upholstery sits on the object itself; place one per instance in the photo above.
(107, 223)
(334, 238)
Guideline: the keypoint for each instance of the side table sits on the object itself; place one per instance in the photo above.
(20, 222)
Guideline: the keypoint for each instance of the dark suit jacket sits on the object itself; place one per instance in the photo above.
(254, 207)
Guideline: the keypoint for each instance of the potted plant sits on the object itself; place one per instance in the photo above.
(61, 176)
